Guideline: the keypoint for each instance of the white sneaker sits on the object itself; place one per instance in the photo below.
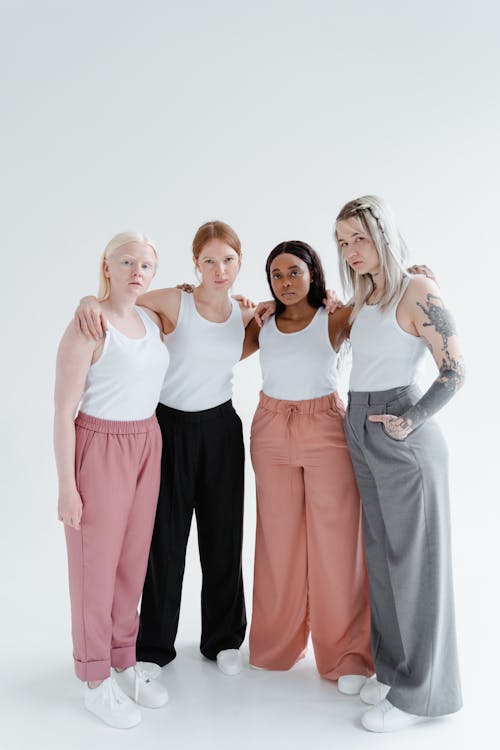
(142, 688)
(373, 692)
(384, 717)
(111, 705)
(152, 670)
(351, 684)
(229, 661)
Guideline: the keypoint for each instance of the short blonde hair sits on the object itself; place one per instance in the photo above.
(118, 240)
(378, 222)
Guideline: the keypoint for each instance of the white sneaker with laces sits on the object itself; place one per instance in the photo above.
(229, 661)
(384, 717)
(142, 688)
(152, 669)
(373, 692)
(351, 684)
(111, 705)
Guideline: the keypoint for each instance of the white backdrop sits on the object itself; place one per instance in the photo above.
(158, 116)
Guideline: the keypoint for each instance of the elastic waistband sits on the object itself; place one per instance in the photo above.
(216, 412)
(381, 397)
(112, 427)
(309, 406)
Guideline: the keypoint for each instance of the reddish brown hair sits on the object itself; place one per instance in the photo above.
(215, 230)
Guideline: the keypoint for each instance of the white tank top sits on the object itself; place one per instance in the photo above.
(301, 365)
(125, 382)
(383, 355)
(202, 357)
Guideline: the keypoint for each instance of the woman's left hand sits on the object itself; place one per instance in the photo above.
(420, 269)
(396, 427)
(332, 301)
(243, 301)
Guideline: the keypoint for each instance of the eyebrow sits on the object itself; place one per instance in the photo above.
(354, 234)
(289, 268)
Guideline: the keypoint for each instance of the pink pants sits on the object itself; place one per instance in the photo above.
(117, 467)
(310, 573)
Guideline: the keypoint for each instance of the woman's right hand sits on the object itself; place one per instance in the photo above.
(264, 310)
(89, 318)
(69, 508)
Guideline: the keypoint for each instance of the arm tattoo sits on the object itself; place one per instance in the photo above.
(451, 371)
(439, 318)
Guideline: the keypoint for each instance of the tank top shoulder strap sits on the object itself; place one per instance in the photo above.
(404, 286)
(150, 326)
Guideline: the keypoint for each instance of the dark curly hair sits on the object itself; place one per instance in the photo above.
(317, 290)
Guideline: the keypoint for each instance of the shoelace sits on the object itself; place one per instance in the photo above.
(115, 691)
(140, 677)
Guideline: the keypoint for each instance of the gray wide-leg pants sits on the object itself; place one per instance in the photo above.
(406, 525)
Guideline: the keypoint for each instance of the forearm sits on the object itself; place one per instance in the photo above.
(64, 449)
(450, 379)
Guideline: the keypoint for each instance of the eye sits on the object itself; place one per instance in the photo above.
(229, 260)
(295, 273)
(359, 239)
(126, 262)
(276, 276)
(147, 266)
(208, 260)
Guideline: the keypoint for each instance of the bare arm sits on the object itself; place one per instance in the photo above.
(251, 341)
(434, 323)
(74, 358)
(339, 326)
(91, 321)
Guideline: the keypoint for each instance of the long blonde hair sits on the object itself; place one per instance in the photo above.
(378, 222)
(118, 240)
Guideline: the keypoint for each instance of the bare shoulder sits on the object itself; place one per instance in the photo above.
(419, 287)
(74, 340)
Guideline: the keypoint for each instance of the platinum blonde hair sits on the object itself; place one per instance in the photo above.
(377, 220)
(118, 240)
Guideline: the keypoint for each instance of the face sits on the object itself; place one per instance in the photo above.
(131, 268)
(357, 247)
(290, 278)
(218, 264)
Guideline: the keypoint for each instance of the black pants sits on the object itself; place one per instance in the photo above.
(202, 469)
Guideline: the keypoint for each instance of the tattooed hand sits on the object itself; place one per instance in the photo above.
(396, 427)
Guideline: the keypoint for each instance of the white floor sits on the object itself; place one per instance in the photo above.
(210, 711)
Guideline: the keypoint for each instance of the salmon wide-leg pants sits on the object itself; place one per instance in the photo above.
(310, 574)
(117, 467)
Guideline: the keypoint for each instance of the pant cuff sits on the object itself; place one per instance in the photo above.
(88, 671)
(123, 657)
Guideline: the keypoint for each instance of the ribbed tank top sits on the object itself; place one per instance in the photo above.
(202, 357)
(301, 365)
(125, 382)
(383, 355)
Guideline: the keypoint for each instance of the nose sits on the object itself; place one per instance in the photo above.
(350, 253)
(219, 269)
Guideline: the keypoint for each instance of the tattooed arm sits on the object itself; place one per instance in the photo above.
(434, 323)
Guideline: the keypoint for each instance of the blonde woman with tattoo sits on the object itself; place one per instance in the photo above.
(400, 461)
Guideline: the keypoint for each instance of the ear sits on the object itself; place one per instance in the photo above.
(105, 268)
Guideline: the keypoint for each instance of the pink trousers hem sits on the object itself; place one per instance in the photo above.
(88, 671)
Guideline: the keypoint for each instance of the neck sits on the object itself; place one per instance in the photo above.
(119, 305)
(298, 310)
(378, 282)
(215, 298)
